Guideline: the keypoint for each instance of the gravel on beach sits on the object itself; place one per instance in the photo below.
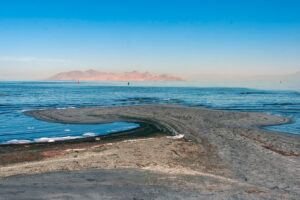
(222, 155)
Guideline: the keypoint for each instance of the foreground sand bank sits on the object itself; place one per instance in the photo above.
(223, 154)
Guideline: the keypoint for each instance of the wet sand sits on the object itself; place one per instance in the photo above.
(223, 155)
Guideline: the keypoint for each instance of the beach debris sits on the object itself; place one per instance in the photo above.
(176, 137)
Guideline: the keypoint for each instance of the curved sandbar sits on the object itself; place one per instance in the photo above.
(230, 147)
(194, 123)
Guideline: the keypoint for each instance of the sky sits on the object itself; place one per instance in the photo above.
(196, 40)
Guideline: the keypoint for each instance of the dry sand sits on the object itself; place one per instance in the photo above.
(223, 155)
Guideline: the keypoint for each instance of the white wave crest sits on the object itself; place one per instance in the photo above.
(89, 134)
(45, 139)
(17, 141)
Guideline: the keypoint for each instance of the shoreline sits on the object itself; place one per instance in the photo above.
(12, 153)
(219, 147)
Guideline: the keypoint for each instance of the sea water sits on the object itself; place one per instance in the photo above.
(16, 97)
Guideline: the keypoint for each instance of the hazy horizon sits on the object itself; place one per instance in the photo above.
(195, 40)
(203, 77)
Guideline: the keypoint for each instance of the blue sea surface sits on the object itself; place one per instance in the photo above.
(270, 97)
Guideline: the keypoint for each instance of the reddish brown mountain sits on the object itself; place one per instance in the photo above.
(92, 75)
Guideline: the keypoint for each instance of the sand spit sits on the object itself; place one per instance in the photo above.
(211, 155)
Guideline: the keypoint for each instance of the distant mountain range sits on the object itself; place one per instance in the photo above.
(93, 75)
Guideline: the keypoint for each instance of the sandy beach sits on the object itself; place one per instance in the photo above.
(178, 152)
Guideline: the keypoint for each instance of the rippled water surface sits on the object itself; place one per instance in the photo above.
(17, 97)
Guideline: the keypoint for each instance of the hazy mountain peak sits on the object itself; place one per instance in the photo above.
(93, 75)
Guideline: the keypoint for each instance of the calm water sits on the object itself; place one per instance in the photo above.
(270, 97)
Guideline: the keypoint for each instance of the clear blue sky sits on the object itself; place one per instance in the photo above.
(193, 39)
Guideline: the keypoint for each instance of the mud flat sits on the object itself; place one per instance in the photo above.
(189, 153)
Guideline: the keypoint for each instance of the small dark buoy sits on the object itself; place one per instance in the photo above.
(128, 83)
